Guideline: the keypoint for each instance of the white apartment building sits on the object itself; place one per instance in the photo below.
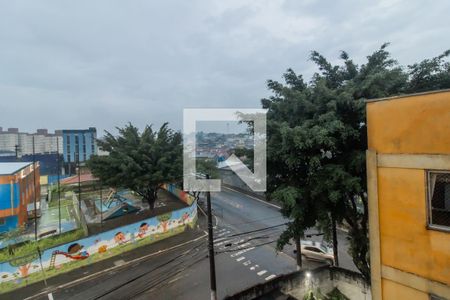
(12, 140)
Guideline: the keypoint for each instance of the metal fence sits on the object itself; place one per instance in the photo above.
(439, 199)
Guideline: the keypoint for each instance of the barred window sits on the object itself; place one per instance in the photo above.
(434, 297)
(439, 200)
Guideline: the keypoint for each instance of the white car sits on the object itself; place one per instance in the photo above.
(317, 251)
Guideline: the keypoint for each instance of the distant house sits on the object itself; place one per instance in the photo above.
(17, 190)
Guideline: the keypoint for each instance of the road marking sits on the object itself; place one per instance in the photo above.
(254, 198)
(240, 258)
(223, 233)
(254, 267)
(217, 221)
(119, 262)
(176, 278)
(261, 272)
(221, 243)
(270, 277)
(219, 239)
(246, 263)
(50, 296)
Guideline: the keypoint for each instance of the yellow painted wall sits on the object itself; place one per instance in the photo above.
(395, 291)
(416, 124)
(406, 243)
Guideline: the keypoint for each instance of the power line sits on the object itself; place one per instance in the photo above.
(183, 254)
(150, 288)
(256, 220)
(256, 230)
(267, 236)
(244, 248)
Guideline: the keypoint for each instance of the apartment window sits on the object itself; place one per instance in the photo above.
(92, 144)
(439, 200)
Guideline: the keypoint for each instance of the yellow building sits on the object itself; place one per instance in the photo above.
(408, 168)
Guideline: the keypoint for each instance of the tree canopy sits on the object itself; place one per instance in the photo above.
(141, 162)
(317, 138)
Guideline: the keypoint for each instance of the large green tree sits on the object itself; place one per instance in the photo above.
(317, 138)
(141, 162)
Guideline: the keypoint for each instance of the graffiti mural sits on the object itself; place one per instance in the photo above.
(180, 194)
(94, 248)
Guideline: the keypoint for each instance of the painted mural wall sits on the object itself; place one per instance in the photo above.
(180, 194)
(23, 271)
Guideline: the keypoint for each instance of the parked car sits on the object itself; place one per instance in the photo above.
(317, 251)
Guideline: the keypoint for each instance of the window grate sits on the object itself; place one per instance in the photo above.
(439, 199)
(434, 297)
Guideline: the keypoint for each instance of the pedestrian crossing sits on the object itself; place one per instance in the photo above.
(236, 247)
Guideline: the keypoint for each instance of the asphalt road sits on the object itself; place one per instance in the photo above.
(245, 213)
(245, 234)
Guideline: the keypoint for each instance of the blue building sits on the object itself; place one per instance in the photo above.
(17, 190)
(79, 144)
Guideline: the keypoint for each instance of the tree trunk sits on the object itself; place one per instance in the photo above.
(359, 242)
(150, 195)
(335, 241)
(299, 252)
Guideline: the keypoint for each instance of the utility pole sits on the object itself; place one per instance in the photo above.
(34, 191)
(79, 182)
(16, 150)
(59, 185)
(212, 265)
(101, 206)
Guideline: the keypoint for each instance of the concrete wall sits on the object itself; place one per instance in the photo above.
(411, 124)
(323, 279)
(229, 178)
(21, 271)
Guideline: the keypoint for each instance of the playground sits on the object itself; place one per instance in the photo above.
(52, 212)
(56, 221)
(121, 207)
(82, 224)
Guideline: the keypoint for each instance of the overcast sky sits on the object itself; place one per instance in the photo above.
(75, 64)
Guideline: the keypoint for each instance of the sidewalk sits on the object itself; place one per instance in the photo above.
(120, 261)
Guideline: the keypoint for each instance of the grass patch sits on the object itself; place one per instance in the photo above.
(30, 248)
(52, 214)
(64, 202)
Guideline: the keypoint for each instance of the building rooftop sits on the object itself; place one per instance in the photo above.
(408, 95)
(8, 168)
(74, 179)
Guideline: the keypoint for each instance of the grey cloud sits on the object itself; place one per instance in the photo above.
(74, 64)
